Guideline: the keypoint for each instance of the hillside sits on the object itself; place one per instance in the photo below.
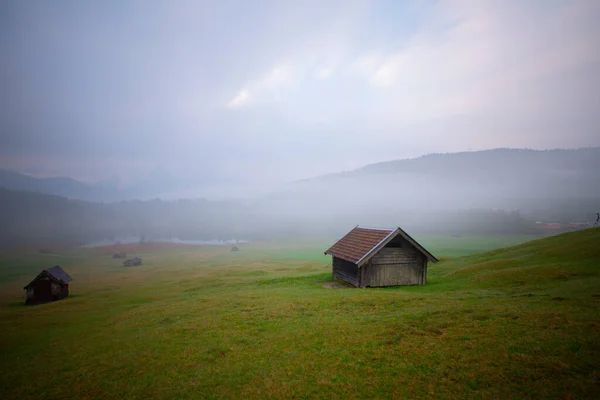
(528, 180)
(561, 264)
(497, 165)
(490, 178)
(37, 218)
(501, 191)
(158, 183)
(518, 322)
(60, 186)
(30, 218)
(509, 163)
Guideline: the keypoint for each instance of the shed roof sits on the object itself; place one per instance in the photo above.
(59, 274)
(360, 244)
(56, 273)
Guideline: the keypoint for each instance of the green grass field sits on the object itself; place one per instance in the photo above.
(203, 322)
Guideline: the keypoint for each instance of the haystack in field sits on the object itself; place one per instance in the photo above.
(132, 262)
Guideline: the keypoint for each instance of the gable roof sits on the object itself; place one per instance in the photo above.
(59, 274)
(56, 273)
(360, 244)
(357, 243)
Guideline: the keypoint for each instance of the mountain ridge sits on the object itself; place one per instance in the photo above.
(388, 166)
(519, 168)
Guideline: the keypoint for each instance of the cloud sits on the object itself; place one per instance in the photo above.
(366, 64)
(480, 56)
(152, 85)
(459, 54)
(324, 73)
(239, 100)
(386, 74)
(267, 87)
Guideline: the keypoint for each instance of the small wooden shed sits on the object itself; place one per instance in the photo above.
(376, 257)
(50, 285)
(132, 262)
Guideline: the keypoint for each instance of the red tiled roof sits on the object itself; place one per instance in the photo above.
(358, 243)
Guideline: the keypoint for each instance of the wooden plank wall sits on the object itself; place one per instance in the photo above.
(394, 266)
(345, 271)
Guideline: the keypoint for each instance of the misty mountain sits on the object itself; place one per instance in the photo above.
(29, 218)
(501, 178)
(159, 183)
(516, 179)
(60, 186)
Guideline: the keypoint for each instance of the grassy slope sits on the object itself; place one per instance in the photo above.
(203, 322)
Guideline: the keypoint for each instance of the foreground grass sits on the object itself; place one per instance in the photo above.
(197, 322)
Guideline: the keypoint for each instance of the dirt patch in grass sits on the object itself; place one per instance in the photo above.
(335, 285)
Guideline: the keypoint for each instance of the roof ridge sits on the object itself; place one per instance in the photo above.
(377, 245)
(59, 273)
(361, 243)
(52, 268)
(375, 228)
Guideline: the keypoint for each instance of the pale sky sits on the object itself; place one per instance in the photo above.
(273, 91)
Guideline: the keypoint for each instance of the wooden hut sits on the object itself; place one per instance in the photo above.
(132, 262)
(375, 257)
(50, 285)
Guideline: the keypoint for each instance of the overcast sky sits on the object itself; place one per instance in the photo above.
(270, 91)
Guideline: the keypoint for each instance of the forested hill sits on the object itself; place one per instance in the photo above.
(496, 163)
(490, 192)
(35, 217)
(511, 168)
(463, 178)
(501, 178)
(38, 218)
